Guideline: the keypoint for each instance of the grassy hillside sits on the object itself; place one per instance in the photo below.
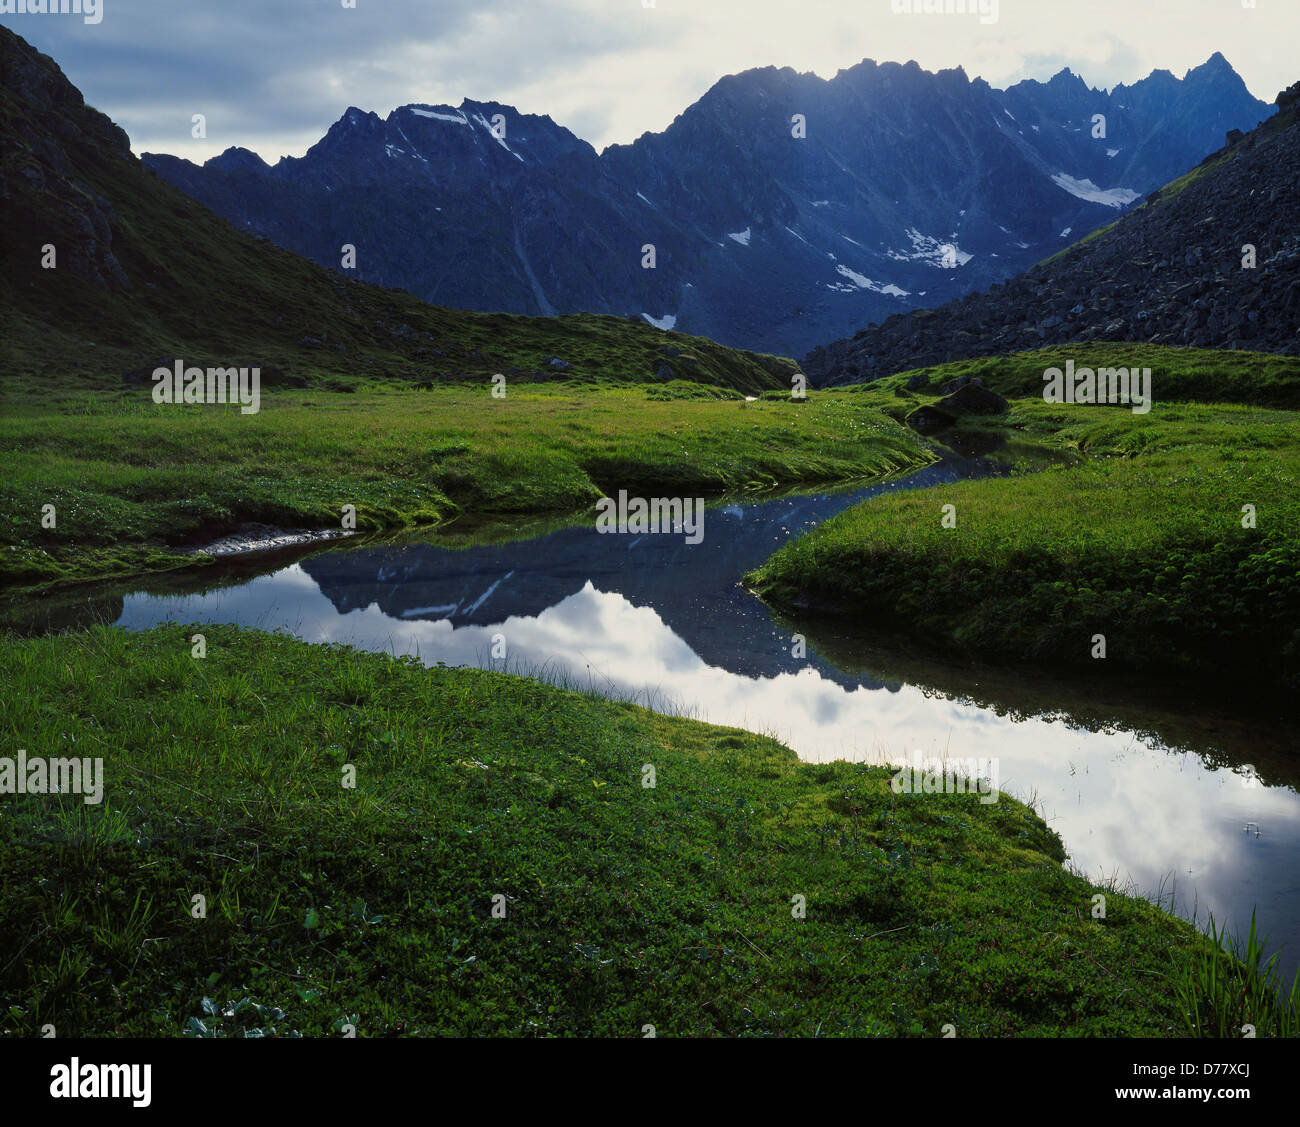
(625, 905)
(1143, 541)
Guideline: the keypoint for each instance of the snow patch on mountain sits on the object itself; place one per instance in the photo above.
(666, 322)
(460, 120)
(1087, 190)
(742, 237)
(414, 151)
(861, 282)
(926, 248)
(478, 117)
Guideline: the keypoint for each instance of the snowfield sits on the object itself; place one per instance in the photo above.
(1087, 190)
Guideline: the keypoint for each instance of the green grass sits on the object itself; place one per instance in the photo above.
(131, 479)
(1229, 986)
(624, 905)
(1142, 541)
(1177, 374)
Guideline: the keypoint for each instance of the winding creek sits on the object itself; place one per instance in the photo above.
(1158, 790)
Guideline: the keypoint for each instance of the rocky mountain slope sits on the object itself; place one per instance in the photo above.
(1177, 270)
(785, 210)
(108, 271)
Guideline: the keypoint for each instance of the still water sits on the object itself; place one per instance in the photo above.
(1159, 791)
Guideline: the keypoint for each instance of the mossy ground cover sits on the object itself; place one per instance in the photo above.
(625, 905)
(1142, 541)
(132, 480)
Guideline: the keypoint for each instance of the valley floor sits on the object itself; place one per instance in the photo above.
(131, 482)
(500, 865)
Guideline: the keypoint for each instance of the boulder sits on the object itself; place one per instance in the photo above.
(926, 420)
(973, 399)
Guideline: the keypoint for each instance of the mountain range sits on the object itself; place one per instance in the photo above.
(1212, 260)
(784, 210)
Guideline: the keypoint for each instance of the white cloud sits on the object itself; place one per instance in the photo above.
(274, 77)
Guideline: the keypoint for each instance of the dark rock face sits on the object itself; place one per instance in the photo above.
(974, 399)
(963, 381)
(928, 419)
(1213, 261)
(907, 189)
(965, 397)
(39, 184)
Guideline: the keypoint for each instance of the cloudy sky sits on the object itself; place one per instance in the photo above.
(273, 75)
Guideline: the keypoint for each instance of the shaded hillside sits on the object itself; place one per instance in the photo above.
(1169, 272)
(144, 275)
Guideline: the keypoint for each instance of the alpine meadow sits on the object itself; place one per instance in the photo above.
(620, 520)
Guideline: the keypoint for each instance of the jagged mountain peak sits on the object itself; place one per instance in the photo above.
(236, 158)
(1066, 81)
(1215, 66)
(353, 116)
(1159, 76)
(350, 123)
(866, 66)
